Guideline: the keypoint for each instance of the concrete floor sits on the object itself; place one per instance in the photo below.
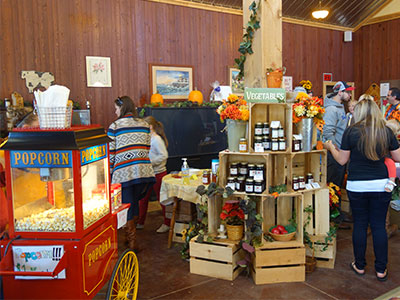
(164, 275)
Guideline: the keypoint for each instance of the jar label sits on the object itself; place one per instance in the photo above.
(258, 147)
(232, 185)
(237, 186)
(295, 186)
(258, 131)
(249, 188)
(243, 171)
(302, 184)
(282, 146)
(257, 189)
(266, 131)
(259, 175)
(233, 171)
(242, 147)
(275, 146)
(252, 173)
(206, 180)
(275, 134)
(296, 146)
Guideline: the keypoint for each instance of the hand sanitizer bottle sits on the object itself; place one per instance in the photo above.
(185, 171)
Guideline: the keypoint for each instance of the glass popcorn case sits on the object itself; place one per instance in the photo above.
(57, 181)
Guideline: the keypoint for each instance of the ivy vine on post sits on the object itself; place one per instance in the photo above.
(246, 46)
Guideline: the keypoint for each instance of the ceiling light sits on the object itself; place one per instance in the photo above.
(320, 13)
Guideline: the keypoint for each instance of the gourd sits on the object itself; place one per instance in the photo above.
(196, 96)
(156, 99)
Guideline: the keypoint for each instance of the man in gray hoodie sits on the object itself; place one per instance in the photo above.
(335, 124)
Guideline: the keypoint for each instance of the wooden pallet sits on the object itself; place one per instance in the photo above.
(218, 259)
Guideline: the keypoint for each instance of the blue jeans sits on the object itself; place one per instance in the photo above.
(370, 208)
(132, 193)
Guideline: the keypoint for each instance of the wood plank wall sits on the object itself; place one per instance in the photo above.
(376, 54)
(56, 35)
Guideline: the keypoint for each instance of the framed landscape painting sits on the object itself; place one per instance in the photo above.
(237, 86)
(172, 82)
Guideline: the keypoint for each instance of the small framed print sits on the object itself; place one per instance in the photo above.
(98, 71)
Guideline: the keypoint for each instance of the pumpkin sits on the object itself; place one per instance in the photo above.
(196, 96)
(156, 99)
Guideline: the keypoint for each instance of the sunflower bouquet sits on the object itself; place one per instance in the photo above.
(306, 84)
(234, 108)
(334, 194)
(308, 107)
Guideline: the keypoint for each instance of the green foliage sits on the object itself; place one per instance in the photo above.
(253, 222)
(246, 46)
(278, 189)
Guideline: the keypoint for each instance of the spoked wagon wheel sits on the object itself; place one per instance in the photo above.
(125, 277)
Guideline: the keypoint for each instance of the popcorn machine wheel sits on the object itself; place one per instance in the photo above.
(62, 225)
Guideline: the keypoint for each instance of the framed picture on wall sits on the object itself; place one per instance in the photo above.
(98, 71)
(237, 86)
(172, 82)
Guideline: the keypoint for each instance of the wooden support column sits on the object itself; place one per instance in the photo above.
(267, 43)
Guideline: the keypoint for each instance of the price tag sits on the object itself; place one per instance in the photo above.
(308, 186)
(259, 148)
(122, 218)
(315, 185)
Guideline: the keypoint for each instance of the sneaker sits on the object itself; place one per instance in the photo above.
(163, 228)
(139, 226)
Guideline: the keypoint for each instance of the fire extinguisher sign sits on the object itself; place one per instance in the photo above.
(37, 259)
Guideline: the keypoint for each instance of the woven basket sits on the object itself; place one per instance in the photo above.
(235, 232)
(283, 237)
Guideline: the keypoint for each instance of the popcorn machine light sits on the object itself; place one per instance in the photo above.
(61, 226)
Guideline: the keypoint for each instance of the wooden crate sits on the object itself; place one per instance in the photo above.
(226, 158)
(325, 258)
(178, 228)
(302, 163)
(268, 112)
(278, 265)
(277, 261)
(319, 220)
(218, 259)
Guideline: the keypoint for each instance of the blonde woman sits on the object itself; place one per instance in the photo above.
(366, 143)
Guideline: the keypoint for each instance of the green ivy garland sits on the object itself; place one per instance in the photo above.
(246, 46)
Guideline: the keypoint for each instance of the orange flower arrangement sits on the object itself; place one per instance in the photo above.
(234, 108)
(308, 107)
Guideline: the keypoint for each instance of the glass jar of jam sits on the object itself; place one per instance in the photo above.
(206, 177)
(258, 186)
(234, 170)
(243, 169)
(295, 183)
(274, 133)
(249, 185)
(266, 128)
(296, 145)
(252, 170)
(243, 145)
(258, 144)
(281, 132)
(310, 178)
(274, 145)
(260, 170)
(258, 129)
(241, 184)
(266, 143)
(282, 144)
(231, 182)
(302, 183)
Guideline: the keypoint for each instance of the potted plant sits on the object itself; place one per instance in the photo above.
(236, 113)
(233, 217)
(275, 76)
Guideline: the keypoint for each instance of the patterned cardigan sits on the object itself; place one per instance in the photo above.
(129, 151)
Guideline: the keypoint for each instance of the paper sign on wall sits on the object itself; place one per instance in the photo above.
(37, 259)
(384, 87)
(288, 83)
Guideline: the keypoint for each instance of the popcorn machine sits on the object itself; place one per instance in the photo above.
(62, 222)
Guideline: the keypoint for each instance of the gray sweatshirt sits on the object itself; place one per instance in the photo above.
(335, 121)
(158, 154)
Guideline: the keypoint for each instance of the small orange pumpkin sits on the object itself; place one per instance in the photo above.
(156, 99)
(196, 96)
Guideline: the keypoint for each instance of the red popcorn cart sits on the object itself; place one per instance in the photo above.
(62, 224)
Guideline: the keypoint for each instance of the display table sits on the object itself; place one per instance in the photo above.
(173, 189)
